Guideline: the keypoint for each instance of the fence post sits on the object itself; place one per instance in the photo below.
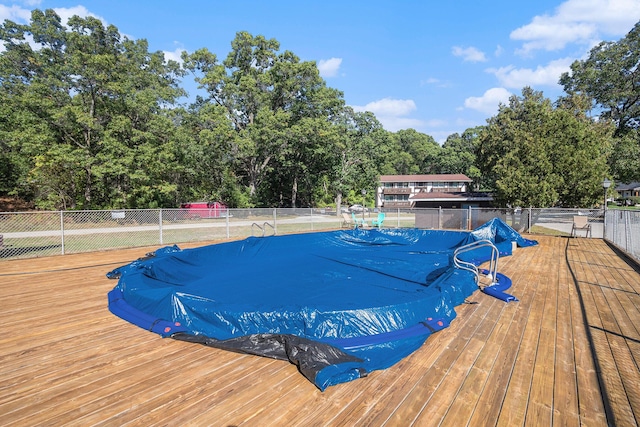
(439, 217)
(275, 227)
(160, 225)
(62, 230)
(627, 228)
(226, 220)
(529, 221)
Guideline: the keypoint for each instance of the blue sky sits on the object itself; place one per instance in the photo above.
(438, 67)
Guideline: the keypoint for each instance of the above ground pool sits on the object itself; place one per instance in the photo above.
(337, 304)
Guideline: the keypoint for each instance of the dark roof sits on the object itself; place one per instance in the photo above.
(629, 186)
(444, 177)
(425, 196)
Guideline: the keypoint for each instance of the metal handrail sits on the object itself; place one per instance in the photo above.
(465, 265)
(270, 225)
(259, 227)
(263, 228)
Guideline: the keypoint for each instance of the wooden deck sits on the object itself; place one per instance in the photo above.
(566, 354)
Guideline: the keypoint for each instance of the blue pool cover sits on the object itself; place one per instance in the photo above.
(337, 304)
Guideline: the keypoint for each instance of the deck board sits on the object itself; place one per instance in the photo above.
(566, 354)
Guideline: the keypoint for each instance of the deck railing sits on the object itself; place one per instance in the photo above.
(36, 234)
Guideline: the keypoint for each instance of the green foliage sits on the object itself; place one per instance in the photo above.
(609, 79)
(87, 108)
(360, 155)
(609, 76)
(280, 112)
(541, 156)
(458, 155)
(625, 157)
(412, 152)
(90, 119)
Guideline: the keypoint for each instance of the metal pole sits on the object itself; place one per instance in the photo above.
(605, 185)
(160, 225)
(604, 219)
(62, 230)
(227, 222)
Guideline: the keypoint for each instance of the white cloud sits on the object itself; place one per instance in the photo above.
(578, 21)
(432, 81)
(488, 103)
(517, 78)
(14, 13)
(388, 107)
(175, 55)
(391, 113)
(21, 15)
(394, 124)
(469, 54)
(67, 12)
(329, 67)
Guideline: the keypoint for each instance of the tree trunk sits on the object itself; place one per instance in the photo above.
(294, 192)
(87, 188)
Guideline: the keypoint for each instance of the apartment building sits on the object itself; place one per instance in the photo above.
(429, 191)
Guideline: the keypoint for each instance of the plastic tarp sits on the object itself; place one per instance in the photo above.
(502, 235)
(337, 304)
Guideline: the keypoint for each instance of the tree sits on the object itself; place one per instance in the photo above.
(280, 108)
(89, 111)
(205, 138)
(610, 76)
(625, 157)
(360, 153)
(458, 155)
(610, 79)
(536, 155)
(412, 151)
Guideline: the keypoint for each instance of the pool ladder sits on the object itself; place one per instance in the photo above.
(465, 265)
(263, 228)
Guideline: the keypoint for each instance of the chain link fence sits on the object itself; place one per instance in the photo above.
(37, 234)
(623, 231)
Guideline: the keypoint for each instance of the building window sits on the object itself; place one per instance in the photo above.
(396, 197)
